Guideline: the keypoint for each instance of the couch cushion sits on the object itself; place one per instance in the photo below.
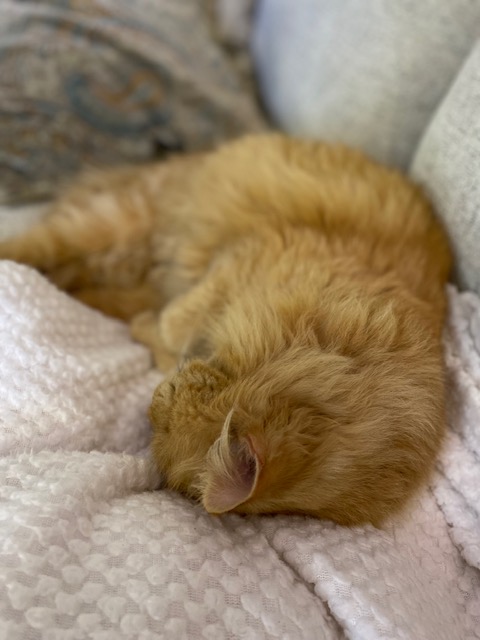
(368, 74)
(447, 164)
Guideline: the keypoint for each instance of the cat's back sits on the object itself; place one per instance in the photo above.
(275, 178)
(272, 181)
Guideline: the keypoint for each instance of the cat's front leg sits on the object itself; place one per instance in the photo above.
(145, 329)
(177, 332)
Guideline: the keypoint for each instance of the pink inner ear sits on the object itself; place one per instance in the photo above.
(226, 491)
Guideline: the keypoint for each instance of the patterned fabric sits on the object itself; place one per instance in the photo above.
(102, 82)
(88, 549)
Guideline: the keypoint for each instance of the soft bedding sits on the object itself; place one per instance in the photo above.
(92, 547)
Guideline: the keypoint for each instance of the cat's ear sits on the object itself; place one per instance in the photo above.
(233, 469)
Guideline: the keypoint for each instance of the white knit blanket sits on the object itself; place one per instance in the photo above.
(88, 549)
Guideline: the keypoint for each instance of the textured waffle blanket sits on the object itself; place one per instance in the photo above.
(91, 548)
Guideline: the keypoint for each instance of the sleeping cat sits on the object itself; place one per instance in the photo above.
(299, 287)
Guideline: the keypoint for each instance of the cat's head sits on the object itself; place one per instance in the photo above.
(303, 433)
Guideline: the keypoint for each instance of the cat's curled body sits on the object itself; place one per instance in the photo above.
(301, 288)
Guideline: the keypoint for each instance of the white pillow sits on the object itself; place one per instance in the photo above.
(368, 74)
(447, 164)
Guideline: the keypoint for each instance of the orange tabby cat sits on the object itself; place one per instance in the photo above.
(302, 288)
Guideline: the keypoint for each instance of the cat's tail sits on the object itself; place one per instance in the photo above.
(101, 211)
(95, 237)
